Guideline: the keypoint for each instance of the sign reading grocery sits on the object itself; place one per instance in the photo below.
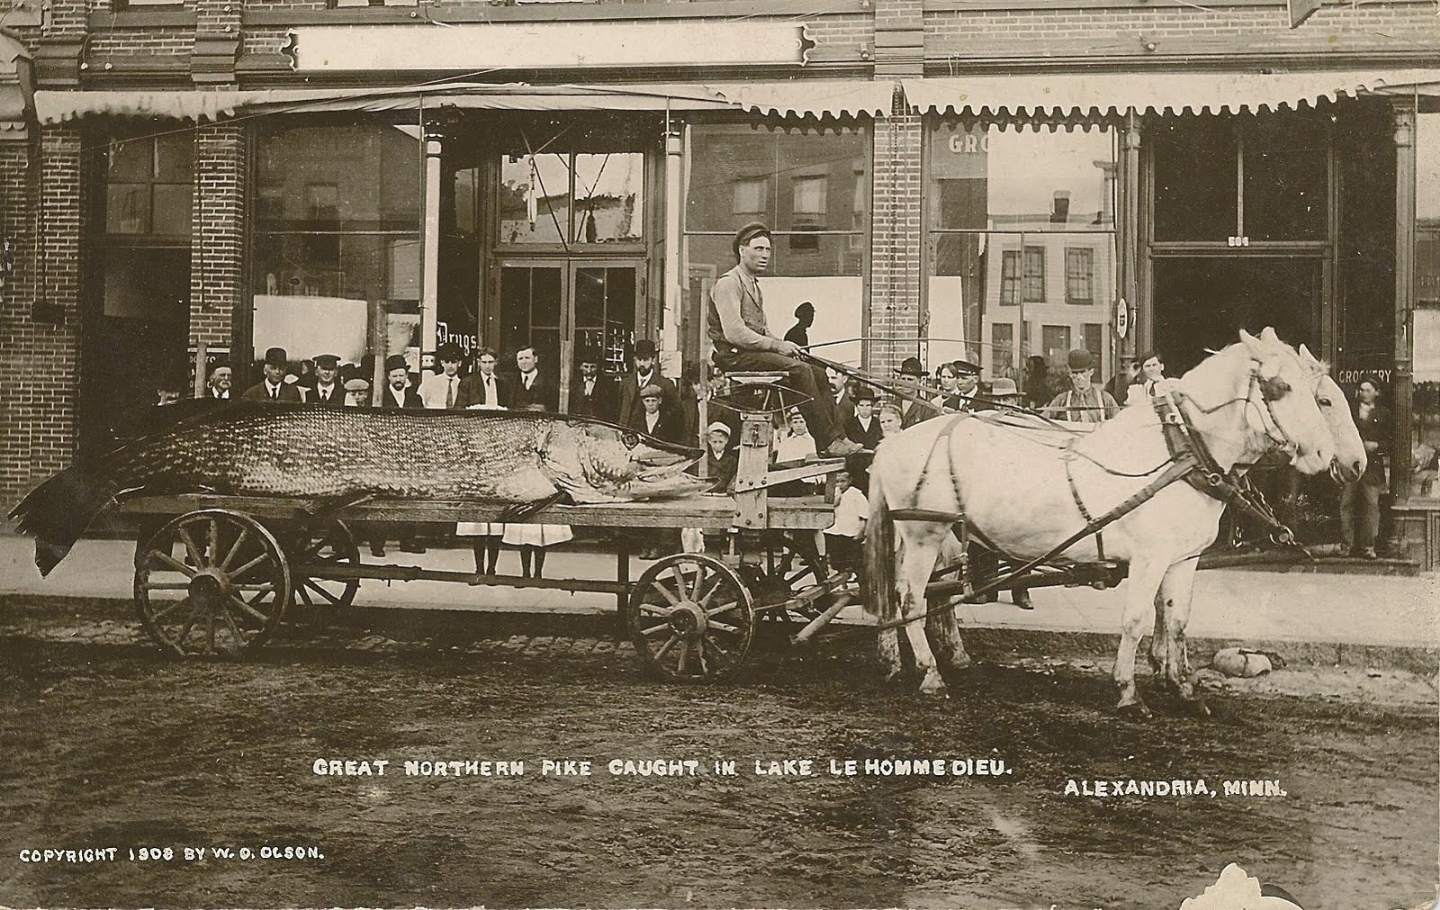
(548, 45)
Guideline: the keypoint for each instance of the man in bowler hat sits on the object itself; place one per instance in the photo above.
(1084, 401)
(646, 373)
(594, 392)
(398, 393)
(274, 387)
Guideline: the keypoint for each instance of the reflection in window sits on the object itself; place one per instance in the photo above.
(812, 188)
(148, 185)
(585, 198)
(1004, 208)
(338, 228)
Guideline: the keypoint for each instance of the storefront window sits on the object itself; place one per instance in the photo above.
(337, 239)
(1205, 167)
(812, 188)
(1020, 246)
(1425, 403)
(137, 324)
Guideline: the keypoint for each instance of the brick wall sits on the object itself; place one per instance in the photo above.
(217, 249)
(895, 241)
(40, 361)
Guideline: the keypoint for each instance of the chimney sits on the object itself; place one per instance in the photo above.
(1060, 211)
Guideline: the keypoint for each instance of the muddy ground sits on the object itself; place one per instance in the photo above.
(108, 744)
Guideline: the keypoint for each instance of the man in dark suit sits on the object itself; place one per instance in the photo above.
(656, 418)
(645, 373)
(912, 375)
(274, 387)
(594, 393)
(840, 391)
(484, 388)
(328, 389)
(864, 426)
(398, 393)
(530, 387)
(217, 387)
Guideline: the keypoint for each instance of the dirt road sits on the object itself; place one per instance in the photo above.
(109, 745)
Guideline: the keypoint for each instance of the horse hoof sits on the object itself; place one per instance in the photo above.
(892, 675)
(933, 687)
(1133, 709)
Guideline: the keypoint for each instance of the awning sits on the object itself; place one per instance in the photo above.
(1052, 95)
(198, 106)
(811, 97)
(799, 98)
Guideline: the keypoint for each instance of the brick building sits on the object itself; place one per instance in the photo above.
(995, 179)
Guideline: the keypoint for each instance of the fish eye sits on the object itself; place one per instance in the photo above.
(630, 440)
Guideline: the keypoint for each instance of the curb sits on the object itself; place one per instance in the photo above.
(981, 641)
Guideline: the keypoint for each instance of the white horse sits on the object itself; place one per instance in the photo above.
(1027, 495)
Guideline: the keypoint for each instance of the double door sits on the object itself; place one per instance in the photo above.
(563, 307)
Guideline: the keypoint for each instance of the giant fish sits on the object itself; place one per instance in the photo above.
(343, 455)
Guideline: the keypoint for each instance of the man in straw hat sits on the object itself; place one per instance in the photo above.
(743, 341)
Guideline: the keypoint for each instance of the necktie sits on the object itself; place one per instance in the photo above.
(275, 392)
(325, 395)
(450, 393)
(528, 379)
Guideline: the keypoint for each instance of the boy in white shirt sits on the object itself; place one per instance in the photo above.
(843, 537)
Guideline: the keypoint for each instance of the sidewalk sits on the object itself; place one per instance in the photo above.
(1261, 608)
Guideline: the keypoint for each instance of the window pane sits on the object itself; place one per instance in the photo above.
(1079, 275)
(355, 177)
(609, 197)
(132, 160)
(1034, 282)
(127, 208)
(1055, 343)
(313, 292)
(172, 209)
(740, 173)
(175, 156)
(1286, 178)
(983, 178)
(1195, 192)
(1427, 169)
(1002, 350)
(534, 198)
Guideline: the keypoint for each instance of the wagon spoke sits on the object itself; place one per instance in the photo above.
(665, 592)
(240, 638)
(304, 594)
(173, 563)
(728, 629)
(723, 608)
(655, 609)
(235, 548)
(660, 652)
(195, 558)
(161, 614)
(249, 610)
(310, 583)
(210, 631)
(655, 630)
(700, 656)
(705, 599)
(167, 585)
(684, 657)
(212, 540)
(258, 587)
(250, 565)
(189, 626)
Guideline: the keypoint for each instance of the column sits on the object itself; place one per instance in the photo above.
(893, 322)
(430, 263)
(1404, 123)
(218, 299)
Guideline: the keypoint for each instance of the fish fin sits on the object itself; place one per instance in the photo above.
(523, 511)
(59, 510)
(328, 505)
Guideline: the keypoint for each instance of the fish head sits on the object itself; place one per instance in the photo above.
(598, 462)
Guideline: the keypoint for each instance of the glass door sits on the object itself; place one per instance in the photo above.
(561, 307)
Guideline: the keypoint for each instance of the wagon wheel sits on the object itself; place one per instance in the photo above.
(322, 543)
(779, 571)
(691, 618)
(233, 577)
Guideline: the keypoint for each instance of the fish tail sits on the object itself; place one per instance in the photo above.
(59, 510)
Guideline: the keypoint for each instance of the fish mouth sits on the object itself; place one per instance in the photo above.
(653, 457)
(665, 471)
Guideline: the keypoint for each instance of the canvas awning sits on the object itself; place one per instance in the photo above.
(799, 98)
(1052, 95)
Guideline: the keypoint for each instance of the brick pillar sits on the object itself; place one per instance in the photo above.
(40, 310)
(894, 312)
(217, 42)
(217, 248)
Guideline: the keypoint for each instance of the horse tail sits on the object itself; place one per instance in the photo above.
(878, 591)
(59, 510)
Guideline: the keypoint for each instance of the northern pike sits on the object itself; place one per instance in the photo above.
(340, 455)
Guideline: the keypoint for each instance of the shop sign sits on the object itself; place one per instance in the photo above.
(547, 45)
(1122, 318)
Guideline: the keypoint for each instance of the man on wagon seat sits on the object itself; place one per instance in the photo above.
(1084, 401)
(743, 341)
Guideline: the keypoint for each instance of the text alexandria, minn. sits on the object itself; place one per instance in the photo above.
(1179, 787)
